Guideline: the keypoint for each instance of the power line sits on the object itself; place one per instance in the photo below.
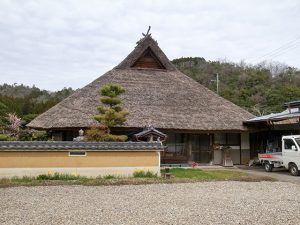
(284, 50)
(287, 50)
(280, 49)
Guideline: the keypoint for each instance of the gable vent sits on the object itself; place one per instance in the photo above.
(148, 60)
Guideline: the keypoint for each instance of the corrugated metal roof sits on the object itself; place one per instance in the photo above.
(73, 145)
(286, 114)
(292, 104)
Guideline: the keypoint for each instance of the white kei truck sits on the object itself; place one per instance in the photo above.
(289, 157)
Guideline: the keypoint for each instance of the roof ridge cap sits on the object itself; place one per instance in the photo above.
(140, 48)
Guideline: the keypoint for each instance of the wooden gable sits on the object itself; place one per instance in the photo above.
(148, 60)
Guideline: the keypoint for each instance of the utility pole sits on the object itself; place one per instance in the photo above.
(217, 80)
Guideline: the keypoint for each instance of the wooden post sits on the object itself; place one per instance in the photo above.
(189, 147)
(211, 147)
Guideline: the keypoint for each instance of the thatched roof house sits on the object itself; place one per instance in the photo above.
(156, 93)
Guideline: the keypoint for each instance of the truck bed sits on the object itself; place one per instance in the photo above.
(275, 156)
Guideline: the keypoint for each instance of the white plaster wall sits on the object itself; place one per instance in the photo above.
(245, 156)
(217, 157)
(234, 152)
(235, 155)
(245, 140)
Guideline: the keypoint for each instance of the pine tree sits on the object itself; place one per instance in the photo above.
(111, 112)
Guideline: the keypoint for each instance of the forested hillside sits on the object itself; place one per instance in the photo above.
(27, 102)
(260, 89)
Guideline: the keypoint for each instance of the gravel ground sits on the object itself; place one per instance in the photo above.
(196, 203)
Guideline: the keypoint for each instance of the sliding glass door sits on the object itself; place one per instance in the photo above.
(201, 148)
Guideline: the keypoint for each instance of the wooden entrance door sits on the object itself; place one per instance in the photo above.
(201, 149)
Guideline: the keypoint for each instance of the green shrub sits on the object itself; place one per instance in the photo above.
(39, 136)
(58, 176)
(100, 134)
(6, 137)
(111, 137)
(31, 135)
(44, 177)
(109, 177)
(142, 173)
(29, 117)
(24, 179)
(96, 133)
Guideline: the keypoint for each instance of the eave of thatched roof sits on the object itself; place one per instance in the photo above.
(165, 98)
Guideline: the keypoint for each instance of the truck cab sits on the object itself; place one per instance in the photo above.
(291, 153)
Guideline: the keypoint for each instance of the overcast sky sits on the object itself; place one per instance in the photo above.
(56, 44)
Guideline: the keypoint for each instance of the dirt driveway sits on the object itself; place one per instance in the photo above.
(278, 173)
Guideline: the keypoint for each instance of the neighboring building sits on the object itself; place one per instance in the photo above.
(194, 117)
(270, 128)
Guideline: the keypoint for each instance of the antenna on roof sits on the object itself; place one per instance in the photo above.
(145, 35)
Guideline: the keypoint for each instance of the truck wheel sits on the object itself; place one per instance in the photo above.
(268, 167)
(294, 170)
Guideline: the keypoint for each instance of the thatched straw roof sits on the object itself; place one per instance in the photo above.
(164, 98)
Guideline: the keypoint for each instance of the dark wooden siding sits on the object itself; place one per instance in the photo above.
(148, 60)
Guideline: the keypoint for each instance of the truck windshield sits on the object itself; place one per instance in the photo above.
(298, 141)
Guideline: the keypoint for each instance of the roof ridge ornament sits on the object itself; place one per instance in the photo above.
(147, 34)
(144, 35)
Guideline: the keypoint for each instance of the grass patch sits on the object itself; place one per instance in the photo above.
(198, 174)
(215, 175)
(25, 179)
(178, 175)
(58, 176)
(108, 177)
